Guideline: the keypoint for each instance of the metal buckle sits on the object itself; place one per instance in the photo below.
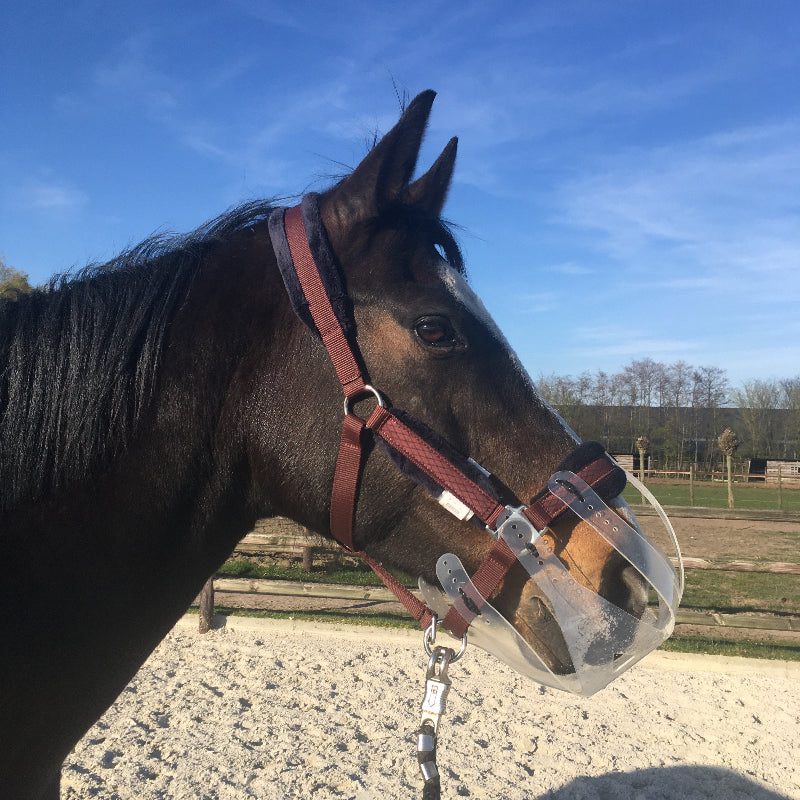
(361, 393)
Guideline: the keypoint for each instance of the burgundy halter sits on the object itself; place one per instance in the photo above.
(314, 284)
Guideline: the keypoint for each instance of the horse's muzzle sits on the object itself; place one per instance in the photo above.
(565, 634)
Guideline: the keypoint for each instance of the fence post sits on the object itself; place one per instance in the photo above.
(642, 443)
(729, 443)
(207, 606)
(780, 486)
(729, 460)
(691, 485)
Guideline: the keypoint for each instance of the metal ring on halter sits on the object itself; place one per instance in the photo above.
(430, 637)
(366, 390)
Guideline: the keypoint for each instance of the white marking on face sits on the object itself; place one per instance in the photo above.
(464, 294)
(457, 285)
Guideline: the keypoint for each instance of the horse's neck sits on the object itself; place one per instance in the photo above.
(118, 558)
(180, 470)
(228, 314)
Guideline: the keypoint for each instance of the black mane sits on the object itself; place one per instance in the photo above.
(79, 358)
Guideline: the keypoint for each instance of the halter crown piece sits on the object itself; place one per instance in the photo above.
(603, 640)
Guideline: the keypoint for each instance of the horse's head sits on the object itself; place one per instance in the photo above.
(431, 348)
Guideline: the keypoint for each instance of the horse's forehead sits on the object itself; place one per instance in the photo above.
(457, 285)
(464, 294)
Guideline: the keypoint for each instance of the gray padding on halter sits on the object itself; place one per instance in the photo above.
(327, 266)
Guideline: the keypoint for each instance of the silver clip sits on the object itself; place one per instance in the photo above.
(437, 685)
(429, 639)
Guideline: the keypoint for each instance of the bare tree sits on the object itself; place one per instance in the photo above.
(709, 392)
(679, 383)
(604, 397)
(757, 401)
(583, 387)
(790, 387)
(558, 390)
(679, 389)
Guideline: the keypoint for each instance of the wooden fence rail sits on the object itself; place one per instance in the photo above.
(778, 567)
(280, 536)
(789, 480)
(379, 594)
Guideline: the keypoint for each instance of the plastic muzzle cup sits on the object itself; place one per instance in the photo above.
(602, 639)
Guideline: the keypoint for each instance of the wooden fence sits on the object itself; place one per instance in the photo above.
(773, 478)
(284, 536)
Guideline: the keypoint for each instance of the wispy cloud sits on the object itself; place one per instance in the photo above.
(51, 197)
(569, 268)
(631, 341)
(723, 206)
(133, 77)
(542, 302)
(256, 140)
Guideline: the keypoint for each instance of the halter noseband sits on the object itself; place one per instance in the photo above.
(316, 290)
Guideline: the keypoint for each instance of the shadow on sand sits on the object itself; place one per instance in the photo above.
(685, 783)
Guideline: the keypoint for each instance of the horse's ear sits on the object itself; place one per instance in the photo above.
(385, 171)
(430, 191)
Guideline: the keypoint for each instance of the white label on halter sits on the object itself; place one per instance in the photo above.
(452, 504)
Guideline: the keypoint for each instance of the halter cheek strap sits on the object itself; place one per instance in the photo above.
(316, 290)
(306, 285)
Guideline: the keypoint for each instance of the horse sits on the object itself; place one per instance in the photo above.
(153, 408)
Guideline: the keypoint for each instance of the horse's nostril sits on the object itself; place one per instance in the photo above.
(636, 588)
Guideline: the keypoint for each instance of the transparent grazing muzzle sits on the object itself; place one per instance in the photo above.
(602, 639)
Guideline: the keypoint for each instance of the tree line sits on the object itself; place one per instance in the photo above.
(681, 410)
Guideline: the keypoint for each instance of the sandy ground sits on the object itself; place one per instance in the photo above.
(277, 709)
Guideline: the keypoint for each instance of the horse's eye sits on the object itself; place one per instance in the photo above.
(436, 332)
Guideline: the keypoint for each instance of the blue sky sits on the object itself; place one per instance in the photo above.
(628, 183)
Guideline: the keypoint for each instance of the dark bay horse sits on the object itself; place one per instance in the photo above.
(153, 408)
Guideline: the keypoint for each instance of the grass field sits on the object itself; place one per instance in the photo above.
(744, 648)
(741, 592)
(715, 495)
(345, 571)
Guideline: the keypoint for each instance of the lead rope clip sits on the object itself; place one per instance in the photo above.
(437, 687)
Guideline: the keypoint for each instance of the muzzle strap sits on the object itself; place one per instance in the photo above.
(590, 461)
(486, 579)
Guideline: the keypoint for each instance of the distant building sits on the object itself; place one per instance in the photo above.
(764, 470)
(631, 463)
